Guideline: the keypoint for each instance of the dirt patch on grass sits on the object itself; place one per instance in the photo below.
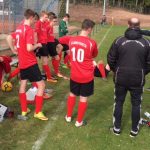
(80, 12)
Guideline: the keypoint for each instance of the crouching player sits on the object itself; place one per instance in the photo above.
(82, 51)
(29, 70)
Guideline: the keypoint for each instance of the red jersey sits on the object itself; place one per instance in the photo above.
(65, 40)
(50, 33)
(24, 35)
(41, 29)
(82, 51)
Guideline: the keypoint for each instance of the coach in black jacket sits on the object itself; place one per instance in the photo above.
(129, 59)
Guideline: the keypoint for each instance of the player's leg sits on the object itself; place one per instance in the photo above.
(86, 90)
(136, 98)
(34, 75)
(22, 90)
(71, 100)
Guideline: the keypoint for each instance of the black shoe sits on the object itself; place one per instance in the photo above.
(133, 133)
(115, 131)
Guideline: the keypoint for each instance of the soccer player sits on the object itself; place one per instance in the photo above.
(63, 29)
(82, 51)
(29, 70)
(54, 47)
(41, 30)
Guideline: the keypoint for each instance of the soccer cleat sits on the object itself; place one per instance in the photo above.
(40, 116)
(79, 124)
(68, 119)
(53, 80)
(25, 113)
(133, 133)
(59, 75)
(115, 131)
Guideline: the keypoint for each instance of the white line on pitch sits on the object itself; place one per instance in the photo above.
(104, 37)
(37, 145)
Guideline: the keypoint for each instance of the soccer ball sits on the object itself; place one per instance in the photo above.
(6, 86)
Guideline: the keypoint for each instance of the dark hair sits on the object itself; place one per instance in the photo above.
(87, 23)
(29, 13)
(37, 16)
(52, 15)
(133, 23)
(67, 15)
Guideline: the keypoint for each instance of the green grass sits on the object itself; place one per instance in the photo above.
(21, 135)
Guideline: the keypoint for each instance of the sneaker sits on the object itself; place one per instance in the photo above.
(53, 80)
(79, 124)
(47, 96)
(25, 113)
(59, 75)
(115, 130)
(68, 119)
(40, 116)
(133, 133)
(148, 89)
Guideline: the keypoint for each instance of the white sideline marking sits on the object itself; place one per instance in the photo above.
(104, 37)
(37, 145)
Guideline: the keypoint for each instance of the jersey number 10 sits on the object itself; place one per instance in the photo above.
(80, 54)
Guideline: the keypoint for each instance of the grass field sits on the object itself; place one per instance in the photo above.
(56, 134)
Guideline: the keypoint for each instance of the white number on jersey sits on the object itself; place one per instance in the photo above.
(80, 54)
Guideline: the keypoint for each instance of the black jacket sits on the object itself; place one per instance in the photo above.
(145, 32)
(129, 58)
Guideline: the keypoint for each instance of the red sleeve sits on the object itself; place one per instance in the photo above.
(64, 40)
(95, 49)
(30, 36)
(13, 34)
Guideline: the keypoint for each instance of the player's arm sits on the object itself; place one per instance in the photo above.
(10, 42)
(145, 32)
(112, 56)
(30, 41)
(95, 50)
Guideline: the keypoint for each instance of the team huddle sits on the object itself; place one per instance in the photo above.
(35, 37)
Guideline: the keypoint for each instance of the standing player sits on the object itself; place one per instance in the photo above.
(82, 51)
(41, 30)
(29, 70)
(54, 45)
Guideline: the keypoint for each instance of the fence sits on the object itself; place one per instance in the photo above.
(11, 11)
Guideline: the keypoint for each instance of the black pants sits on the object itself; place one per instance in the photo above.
(136, 97)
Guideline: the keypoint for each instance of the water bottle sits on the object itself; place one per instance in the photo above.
(147, 114)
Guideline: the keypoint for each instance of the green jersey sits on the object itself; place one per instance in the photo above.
(63, 30)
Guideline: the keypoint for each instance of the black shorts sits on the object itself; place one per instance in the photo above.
(43, 51)
(65, 47)
(82, 89)
(31, 73)
(52, 48)
(98, 74)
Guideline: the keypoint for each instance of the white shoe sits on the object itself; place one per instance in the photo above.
(68, 119)
(82, 123)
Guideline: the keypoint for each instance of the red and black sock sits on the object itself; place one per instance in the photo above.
(23, 101)
(55, 64)
(47, 71)
(70, 105)
(81, 111)
(102, 70)
(38, 103)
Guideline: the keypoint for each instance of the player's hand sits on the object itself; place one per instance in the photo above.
(1, 59)
(39, 45)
